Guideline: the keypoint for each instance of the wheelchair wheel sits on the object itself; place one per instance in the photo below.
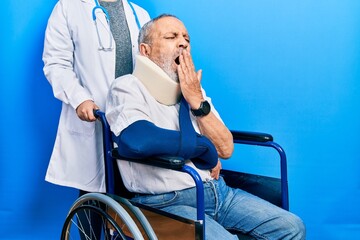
(98, 216)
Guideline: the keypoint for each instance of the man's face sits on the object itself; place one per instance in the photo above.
(168, 38)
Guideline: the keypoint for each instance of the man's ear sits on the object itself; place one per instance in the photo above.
(145, 49)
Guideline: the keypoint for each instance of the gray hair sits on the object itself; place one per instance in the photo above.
(146, 30)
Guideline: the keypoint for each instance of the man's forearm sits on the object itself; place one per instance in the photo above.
(211, 127)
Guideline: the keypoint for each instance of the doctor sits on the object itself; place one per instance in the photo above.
(87, 45)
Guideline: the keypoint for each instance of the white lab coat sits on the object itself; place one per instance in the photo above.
(78, 71)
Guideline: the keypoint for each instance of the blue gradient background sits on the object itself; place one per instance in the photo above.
(290, 68)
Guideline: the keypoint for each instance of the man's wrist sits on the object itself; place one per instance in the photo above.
(203, 110)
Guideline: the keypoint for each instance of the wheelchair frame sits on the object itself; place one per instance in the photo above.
(128, 211)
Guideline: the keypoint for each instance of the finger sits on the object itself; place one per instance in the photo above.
(215, 174)
(184, 60)
(180, 73)
(90, 113)
(85, 117)
(183, 64)
(184, 73)
(91, 116)
(81, 114)
(188, 61)
(199, 75)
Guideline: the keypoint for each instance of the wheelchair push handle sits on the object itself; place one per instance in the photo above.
(100, 115)
(97, 113)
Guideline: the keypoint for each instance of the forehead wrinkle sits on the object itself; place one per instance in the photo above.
(167, 25)
(177, 33)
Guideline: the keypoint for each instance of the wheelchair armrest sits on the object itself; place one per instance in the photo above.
(266, 140)
(174, 163)
(251, 136)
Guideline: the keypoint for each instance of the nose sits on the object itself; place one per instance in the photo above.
(183, 43)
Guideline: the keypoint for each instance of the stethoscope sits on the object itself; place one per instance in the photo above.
(107, 17)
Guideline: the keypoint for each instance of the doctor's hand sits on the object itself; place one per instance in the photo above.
(85, 111)
(190, 80)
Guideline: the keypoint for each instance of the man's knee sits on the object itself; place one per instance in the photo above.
(284, 226)
(295, 227)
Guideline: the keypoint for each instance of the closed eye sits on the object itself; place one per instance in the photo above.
(171, 36)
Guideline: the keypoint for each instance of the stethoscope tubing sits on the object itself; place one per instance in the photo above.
(97, 6)
(107, 17)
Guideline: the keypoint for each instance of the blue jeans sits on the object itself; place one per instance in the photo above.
(230, 209)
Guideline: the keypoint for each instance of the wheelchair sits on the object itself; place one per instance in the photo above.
(112, 215)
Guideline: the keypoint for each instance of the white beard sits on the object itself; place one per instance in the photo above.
(166, 66)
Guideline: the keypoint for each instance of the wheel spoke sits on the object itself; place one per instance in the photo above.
(93, 217)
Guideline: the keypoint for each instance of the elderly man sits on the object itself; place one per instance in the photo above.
(143, 112)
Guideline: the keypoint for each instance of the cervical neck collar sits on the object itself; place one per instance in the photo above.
(157, 82)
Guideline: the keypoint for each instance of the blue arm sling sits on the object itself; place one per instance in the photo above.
(144, 139)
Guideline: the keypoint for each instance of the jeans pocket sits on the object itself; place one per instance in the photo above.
(158, 200)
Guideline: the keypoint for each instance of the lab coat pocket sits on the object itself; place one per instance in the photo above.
(76, 126)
